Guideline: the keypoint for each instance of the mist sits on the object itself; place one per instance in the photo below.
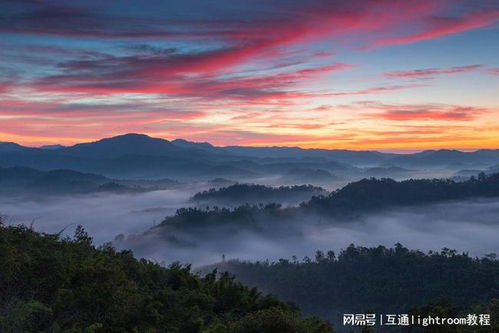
(103, 215)
(466, 226)
(469, 226)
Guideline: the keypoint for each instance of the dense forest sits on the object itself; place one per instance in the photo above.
(381, 280)
(49, 283)
(254, 194)
(242, 217)
(353, 200)
(374, 194)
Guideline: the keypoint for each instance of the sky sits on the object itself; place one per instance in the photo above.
(370, 74)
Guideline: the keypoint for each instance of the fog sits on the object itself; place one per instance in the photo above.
(102, 215)
(471, 226)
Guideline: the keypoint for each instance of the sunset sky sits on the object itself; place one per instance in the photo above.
(380, 74)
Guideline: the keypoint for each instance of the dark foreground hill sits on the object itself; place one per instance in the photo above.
(380, 280)
(54, 284)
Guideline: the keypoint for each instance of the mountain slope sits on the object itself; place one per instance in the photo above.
(139, 156)
(53, 284)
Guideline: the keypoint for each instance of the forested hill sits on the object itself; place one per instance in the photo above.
(54, 284)
(379, 279)
(371, 194)
(354, 199)
(255, 194)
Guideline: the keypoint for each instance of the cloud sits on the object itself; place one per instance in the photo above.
(423, 112)
(132, 75)
(430, 72)
(85, 67)
(439, 26)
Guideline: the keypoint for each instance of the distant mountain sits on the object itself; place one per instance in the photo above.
(10, 147)
(301, 175)
(52, 147)
(467, 173)
(128, 144)
(345, 156)
(129, 156)
(390, 171)
(140, 156)
(446, 158)
(195, 145)
(23, 180)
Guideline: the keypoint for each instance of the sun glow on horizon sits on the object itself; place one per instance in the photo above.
(423, 77)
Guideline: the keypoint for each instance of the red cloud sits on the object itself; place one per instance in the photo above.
(442, 26)
(262, 87)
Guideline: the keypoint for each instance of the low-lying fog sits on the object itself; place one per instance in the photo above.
(466, 226)
(103, 215)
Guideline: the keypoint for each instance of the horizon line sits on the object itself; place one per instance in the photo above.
(382, 150)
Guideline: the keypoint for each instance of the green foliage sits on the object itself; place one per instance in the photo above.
(49, 284)
(386, 280)
(24, 317)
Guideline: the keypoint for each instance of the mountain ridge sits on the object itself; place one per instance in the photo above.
(136, 155)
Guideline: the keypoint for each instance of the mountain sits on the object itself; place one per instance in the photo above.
(52, 147)
(195, 145)
(346, 156)
(128, 144)
(390, 171)
(307, 175)
(23, 180)
(445, 158)
(10, 147)
(140, 156)
(128, 156)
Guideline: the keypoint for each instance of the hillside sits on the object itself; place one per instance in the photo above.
(54, 284)
(353, 200)
(23, 180)
(375, 194)
(255, 194)
(379, 279)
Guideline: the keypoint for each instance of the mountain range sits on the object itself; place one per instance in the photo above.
(24, 180)
(140, 156)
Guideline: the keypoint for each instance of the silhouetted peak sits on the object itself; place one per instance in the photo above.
(7, 147)
(190, 144)
(133, 138)
(52, 147)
